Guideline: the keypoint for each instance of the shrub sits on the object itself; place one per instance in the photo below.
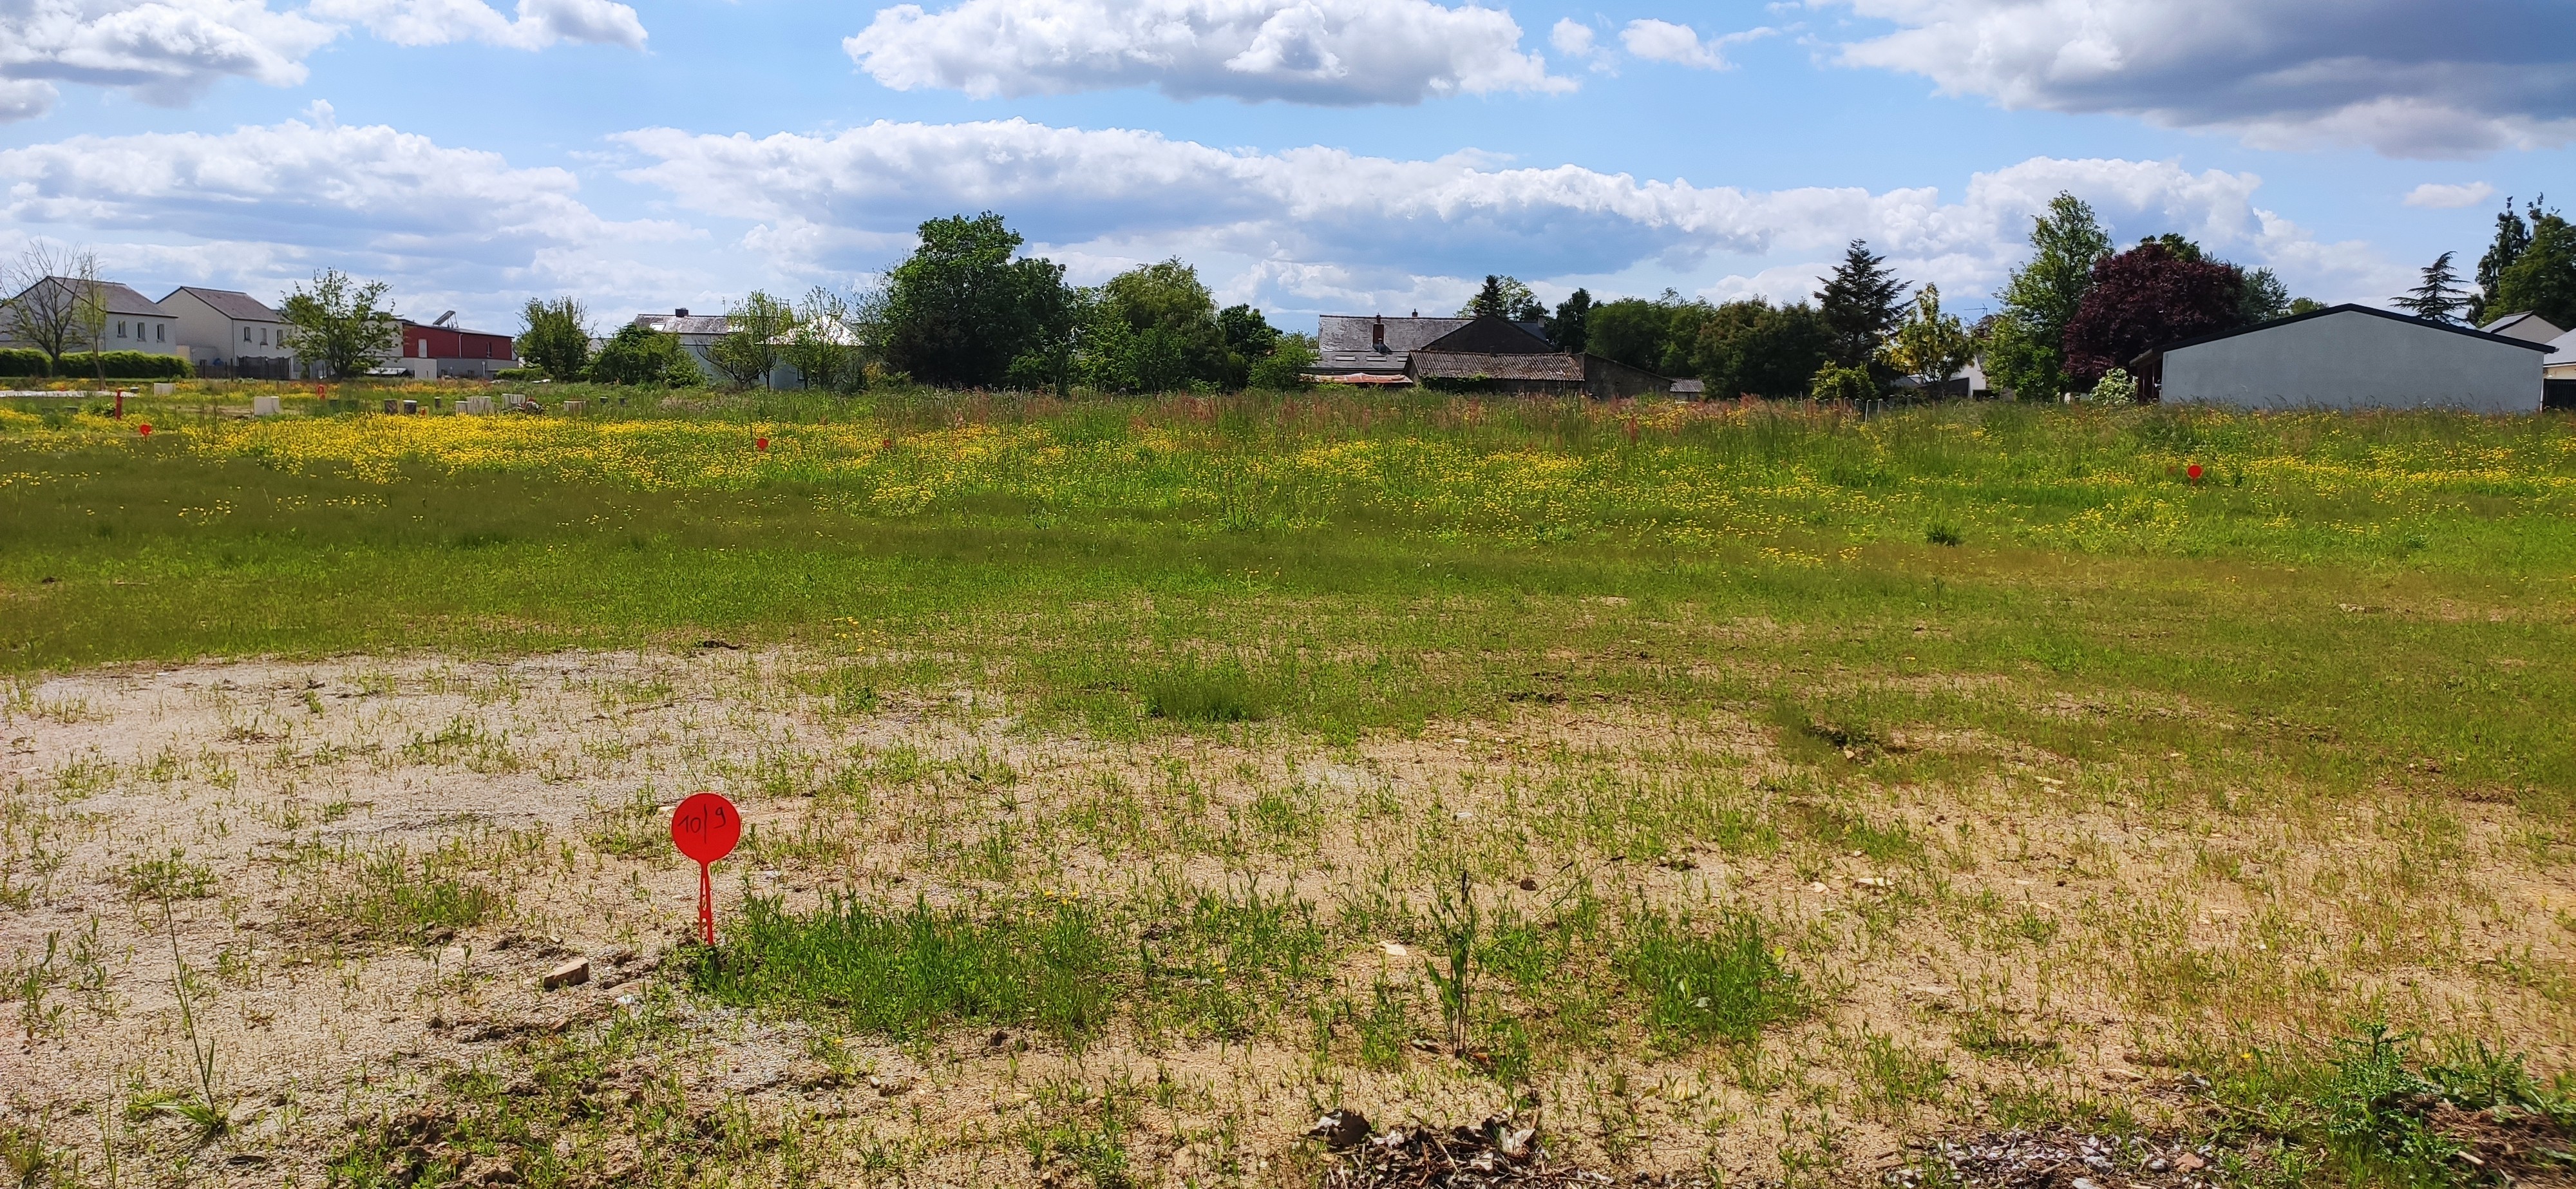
(1835, 382)
(1284, 369)
(126, 365)
(21, 361)
(2117, 387)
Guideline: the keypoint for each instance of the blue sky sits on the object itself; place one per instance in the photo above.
(1309, 155)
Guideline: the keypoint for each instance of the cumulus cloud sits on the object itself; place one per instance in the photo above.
(540, 23)
(364, 198)
(2403, 77)
(2439, 197)
(1329, 222)
(1575, 40)
(1331, 52)
(1664, 41)
(169, 52)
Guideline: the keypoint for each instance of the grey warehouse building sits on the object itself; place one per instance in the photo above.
(2348, 357)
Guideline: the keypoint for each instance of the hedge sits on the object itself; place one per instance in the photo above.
(128, 365)
(22, 361)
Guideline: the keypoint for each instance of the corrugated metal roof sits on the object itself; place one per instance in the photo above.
(693, 324)
(1465, 365)
(239, 306)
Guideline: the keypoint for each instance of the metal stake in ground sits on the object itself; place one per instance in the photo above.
(705, 828)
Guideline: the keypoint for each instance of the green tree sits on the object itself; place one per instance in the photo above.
(2512, 236)
(2026, 346)
(1506, 298)
(1752, 346)
(1569, 328)
(2542, 278)
(643, 356)
(340, 325)
(1249, 339)
(1834, 382)
(1176, 337)
(824, 347)
(1284, 368)
(966, 310)
(1930, 343)
(756, 339)
(2264, 297)
(1632, 330)
(2438, 296)
(1862, 301)
(557, 337)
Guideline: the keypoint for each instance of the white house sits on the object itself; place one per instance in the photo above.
(697, 334)
(133, 322)
(2528, 327)
(231, 330)
(2558, 369)
(2348, 357)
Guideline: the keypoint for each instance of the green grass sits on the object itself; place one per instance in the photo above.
(1726, 984)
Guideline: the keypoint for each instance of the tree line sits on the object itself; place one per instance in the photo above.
(2529, 268)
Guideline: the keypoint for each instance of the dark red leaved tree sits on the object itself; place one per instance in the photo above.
(2146, 297)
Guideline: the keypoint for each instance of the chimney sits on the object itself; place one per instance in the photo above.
(681, 312)
(1377, 334)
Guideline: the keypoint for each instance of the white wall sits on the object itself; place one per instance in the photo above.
(2353, 360)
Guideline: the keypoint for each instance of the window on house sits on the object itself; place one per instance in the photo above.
(245, 334)
(263, 336)
(160, 332)
(120, 330)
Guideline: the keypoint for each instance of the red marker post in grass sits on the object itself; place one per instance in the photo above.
(2194, 472)
(705, 828)
(144, 429)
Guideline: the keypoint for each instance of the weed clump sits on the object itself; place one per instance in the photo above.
(1204, 694)
(911, 971)
(1725, 985)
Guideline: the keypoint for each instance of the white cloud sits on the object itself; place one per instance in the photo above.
(540, 23)
(169, 52)
(1576, 40)
(163, 51)
(261, 206)
(1328, 225)
(2404, 77)
(1663, 41)
(1333, 52)
(2439, 197)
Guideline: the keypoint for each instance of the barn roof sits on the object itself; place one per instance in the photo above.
(1490, 365)
(2149, 355)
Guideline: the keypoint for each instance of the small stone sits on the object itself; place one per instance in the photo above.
(1517, 1146)
(2189, 1163)
(569, 974)
(1528, 884)
(1392, 949)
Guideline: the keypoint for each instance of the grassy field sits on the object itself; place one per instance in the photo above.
(1753, 794)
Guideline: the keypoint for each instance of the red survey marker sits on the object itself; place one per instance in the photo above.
(705, 828)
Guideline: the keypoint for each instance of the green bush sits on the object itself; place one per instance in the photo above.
(1727, 985)
(126, 365)
(1283, 370)
(21, 361)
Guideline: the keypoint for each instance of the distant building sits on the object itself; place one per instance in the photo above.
(2530, 328)
(2558, 373)
(231, 334)
(133, 322)
(697, 334)
(1486, 354)
(2347, 357)
(442, 349)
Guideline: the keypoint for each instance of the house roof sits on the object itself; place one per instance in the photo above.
(1340, 334)
(1493, 336)
(2525, 325)
(2562, 350)
(409, 326)
(685, 324)
(2151, 353)
(239, 306)
(1688, 385)
(1492, 365)
(118, 298)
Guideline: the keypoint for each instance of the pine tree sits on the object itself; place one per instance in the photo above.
(2439, 297)
(1862, 302)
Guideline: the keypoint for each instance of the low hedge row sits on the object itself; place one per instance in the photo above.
(113, 365)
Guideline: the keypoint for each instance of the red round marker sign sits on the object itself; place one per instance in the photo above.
(705, 828)
(2194, 472)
